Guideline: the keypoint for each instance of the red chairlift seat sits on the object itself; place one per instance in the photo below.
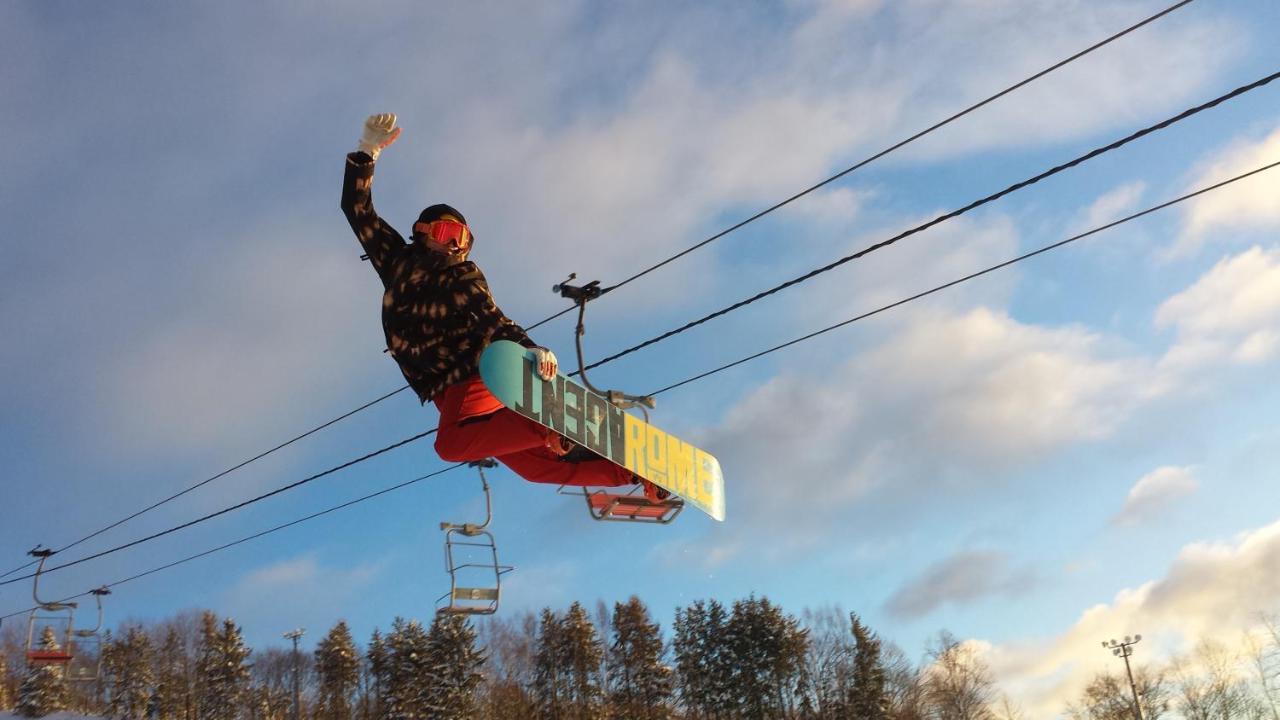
(48, 657)
(632, 507)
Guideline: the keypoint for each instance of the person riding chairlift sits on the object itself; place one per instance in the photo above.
(438, 316)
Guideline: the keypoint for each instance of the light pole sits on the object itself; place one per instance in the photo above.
(1121, 649)
(297, 688)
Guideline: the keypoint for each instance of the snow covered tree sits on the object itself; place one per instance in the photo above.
(172, 695)
(639, 683)
(221, 675)
(128, 675)
(44, 689)
(406, 669)
(454, 664)
(337, 672)
(4, 683)
(376, 672)
(866, 699)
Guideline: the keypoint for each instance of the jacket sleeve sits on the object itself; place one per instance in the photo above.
(488, 322)
(380, 241)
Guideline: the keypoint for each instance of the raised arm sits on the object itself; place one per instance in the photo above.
(380, 241)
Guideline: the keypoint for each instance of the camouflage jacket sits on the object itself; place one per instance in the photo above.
(438, 314)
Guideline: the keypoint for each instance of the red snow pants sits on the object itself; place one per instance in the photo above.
(475, 425)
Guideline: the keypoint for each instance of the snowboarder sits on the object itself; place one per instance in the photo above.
(438, 316)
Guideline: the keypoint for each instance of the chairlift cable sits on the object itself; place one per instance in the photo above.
(917, 296)
(949, 215)
(254, 536)
(673, 258)
(971, 276)
(902, 143)
(224, 511)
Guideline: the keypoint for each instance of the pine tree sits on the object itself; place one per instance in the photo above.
(867, 699)
(550, 691)
(454, 674)
(127, 666)
(640, 685)
(4, 682)
(407, 668)
(376, 686)
(170, 698)
(44, 689)
(222, 677)
(581, 656)
(768, 650)
(703, 661)
(337, 671)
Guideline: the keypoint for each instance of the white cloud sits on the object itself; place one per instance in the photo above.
(1231, 315)
(1154, 493)
(297, 592)
(950, 397)
(271, 323)
(1211, 590)
(1251, 204)
(963, 578)
(1113, 205)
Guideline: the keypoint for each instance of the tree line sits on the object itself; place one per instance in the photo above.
(748, 660)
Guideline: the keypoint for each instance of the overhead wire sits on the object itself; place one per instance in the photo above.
(946, 216)
(1025, 256)
(941, 218)
(902, 143)
(224, 511)
(254, 536)
(206, 481)
(971, 276)
(742, 223)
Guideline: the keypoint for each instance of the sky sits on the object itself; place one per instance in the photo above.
(1078, 447)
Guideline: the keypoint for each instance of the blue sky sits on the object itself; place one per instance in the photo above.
(1061, 450)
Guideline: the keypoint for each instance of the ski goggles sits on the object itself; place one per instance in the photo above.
(445, 233)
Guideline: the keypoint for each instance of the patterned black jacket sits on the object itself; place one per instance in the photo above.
(437, 313)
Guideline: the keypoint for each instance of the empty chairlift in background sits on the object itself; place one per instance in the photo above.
(86, 651)
(471, 557)
(55, 620)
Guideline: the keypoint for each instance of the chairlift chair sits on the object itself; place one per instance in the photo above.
(86, 661)
(610, 504)
(59, 615)
(471, 555)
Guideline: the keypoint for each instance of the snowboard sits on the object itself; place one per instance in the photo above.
(590, 420)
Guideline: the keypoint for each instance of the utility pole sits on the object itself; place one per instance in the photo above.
(1124, 650)
(297, 687)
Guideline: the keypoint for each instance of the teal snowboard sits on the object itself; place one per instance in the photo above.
(591, 421)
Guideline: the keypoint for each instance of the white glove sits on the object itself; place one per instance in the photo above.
(379, 131)
(545, 362)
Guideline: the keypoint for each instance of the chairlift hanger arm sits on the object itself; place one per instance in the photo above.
(581, 295)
